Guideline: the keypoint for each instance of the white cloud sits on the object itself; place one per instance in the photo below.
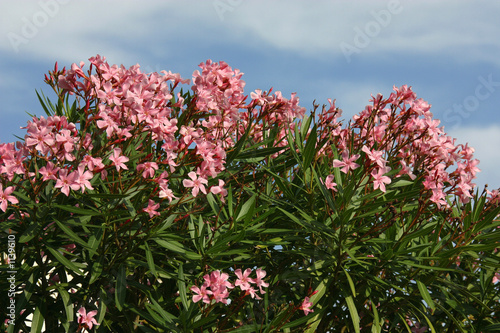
(459, 29)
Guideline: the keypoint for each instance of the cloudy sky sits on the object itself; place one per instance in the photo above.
(447, 50)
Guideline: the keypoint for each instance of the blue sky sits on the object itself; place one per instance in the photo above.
(448, 51)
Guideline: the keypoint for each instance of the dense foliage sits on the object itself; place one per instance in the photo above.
(137, 205)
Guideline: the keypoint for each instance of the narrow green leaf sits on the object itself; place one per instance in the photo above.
(181, 284)
(77, 210)
(150, 260)
(351, 284)
(247, 208)
(94, 241)
(377, 323)
(120, 288)
(37, 323)
(68, 305)
(64, 261)
(30, 232)
(426, 295)
(177, 247)
(74, 237)
(310, 148)
(353, 312)
(96, 270)
(102, 308)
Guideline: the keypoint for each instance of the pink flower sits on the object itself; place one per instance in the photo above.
(218, 284)
(346, 163)
(259, 282)
(243, 280)
(6, 196)
(252, 292)
(49, 171)
(87, 318)
(496, 278)
(306, 306)
(329, 183)
(165, 192)
(375, 156)
(379, 180)
(118, 159)
(151, 208)
(67, 182)
(196, 183)
(219, 189)
(149, 169)
(201, 294)
(83, 178)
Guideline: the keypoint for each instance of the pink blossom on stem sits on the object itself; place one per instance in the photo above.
(49, 171)
(243, 280)
(87, 318)
(149, 169)
(379, 180)
(306, 306)
(329, 184)
(375, 156)
(252, 292)
(259, 282)
(151, 209)
(165, 192)
(219, 189)
(83, 178)
(67, 182)
(118, 159)
(198, 184)
(496, 278)
(6, 196)
(347, 162)
(201, 294)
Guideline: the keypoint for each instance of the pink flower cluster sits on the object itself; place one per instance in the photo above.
(216, 286)
(122, 104)
(400, 129)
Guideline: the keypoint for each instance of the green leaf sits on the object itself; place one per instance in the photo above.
(37, 322)
(68, 305)
(30, 232)
(77, 210)
(94, 241)
(74, 237)
(121, 288)
(426, 295)
(150, 260)
(177, 247)
(310, 148)
(246, 209)
(353, 312)
(96, 270)
(181, 284)
(64, 261)
(351, 284)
